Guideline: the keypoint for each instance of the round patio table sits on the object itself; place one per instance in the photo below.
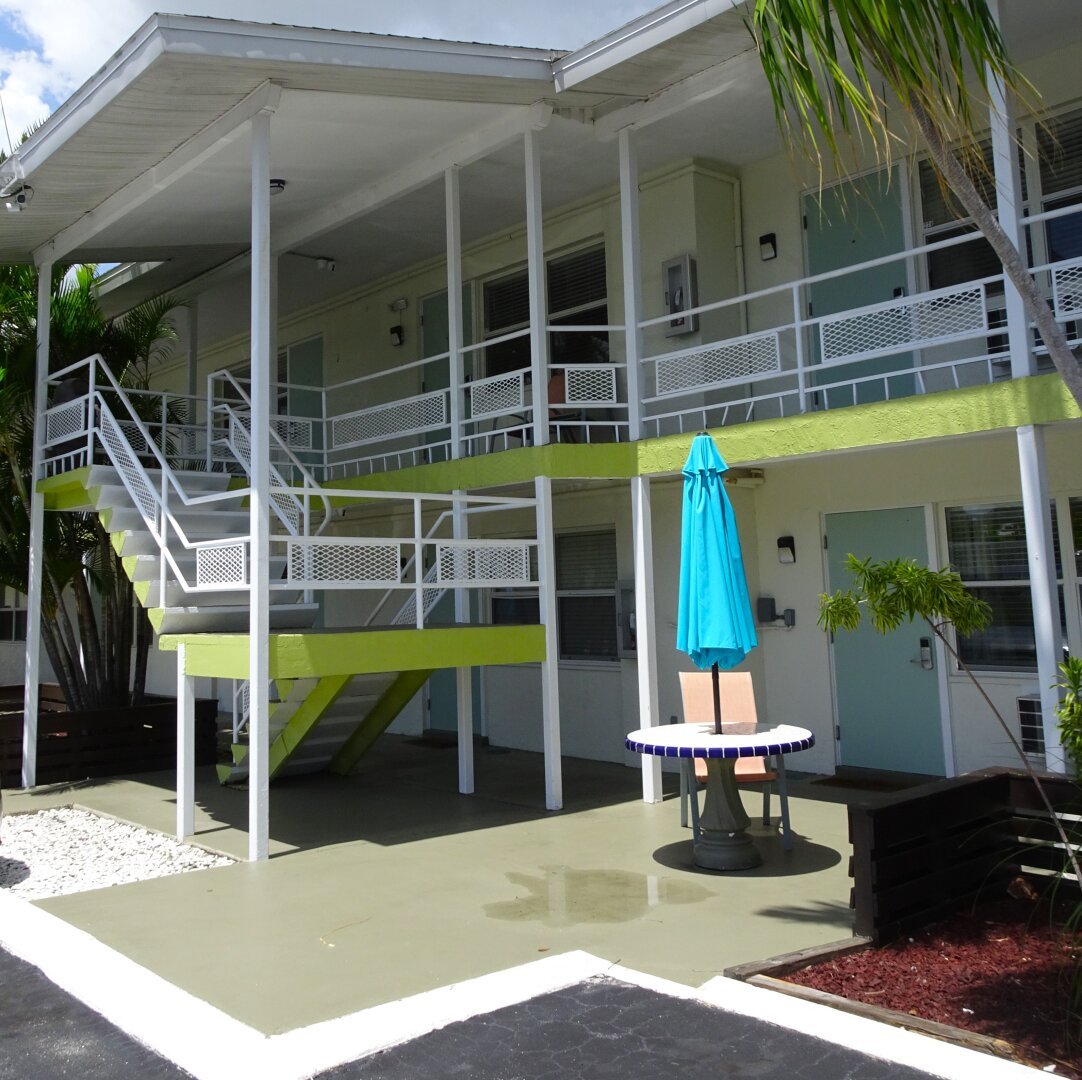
(723, 843)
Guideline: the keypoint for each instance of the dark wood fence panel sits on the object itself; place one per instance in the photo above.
(115, 742)
(927, 851)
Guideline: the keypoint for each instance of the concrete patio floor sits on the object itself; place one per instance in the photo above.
(389, 883)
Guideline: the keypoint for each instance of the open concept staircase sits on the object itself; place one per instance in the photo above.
(183, 537)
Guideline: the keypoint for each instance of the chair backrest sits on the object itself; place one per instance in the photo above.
(737, 699)
(738, 714)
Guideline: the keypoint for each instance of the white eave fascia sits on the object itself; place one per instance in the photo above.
(195, 35)
(645, 33)
(189, 35)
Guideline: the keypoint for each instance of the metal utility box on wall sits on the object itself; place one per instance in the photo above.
(681, 293)
(625, 618)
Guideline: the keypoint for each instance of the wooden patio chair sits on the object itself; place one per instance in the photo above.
(738, 716)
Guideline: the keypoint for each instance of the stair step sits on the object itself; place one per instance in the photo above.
(197, 524)
(176, 596)
(230, 620)
(193, 482)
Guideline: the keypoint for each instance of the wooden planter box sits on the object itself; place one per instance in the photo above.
(926, 852)
(109, 742)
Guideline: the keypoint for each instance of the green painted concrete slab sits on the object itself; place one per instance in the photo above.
(389, 883)
(319, 653)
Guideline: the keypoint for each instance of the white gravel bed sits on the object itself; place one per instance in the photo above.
(55, 852)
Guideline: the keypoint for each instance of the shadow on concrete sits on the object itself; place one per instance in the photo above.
(405, 790)
(805, 858)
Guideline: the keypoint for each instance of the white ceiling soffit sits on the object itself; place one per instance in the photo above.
(178, 75)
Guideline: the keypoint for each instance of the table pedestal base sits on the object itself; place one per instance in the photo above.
(724, 843)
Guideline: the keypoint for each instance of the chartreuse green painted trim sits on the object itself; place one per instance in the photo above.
(314, 654)
(68, 491)
(156, 615)
(303, 722)
(142, 591)
(557, 460)
(394, 699)
(1042, 399)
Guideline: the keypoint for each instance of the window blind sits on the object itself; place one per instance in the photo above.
(586, 561)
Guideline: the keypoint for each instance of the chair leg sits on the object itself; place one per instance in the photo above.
(783, 798)
(687, 769)
(766, 803)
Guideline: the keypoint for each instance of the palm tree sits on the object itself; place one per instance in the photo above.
(95, 635)
(825, 60)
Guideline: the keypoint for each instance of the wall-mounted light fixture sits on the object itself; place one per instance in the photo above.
(399, 305)
(786, 550)
(277, 186)
(768, 246)
(398, 335)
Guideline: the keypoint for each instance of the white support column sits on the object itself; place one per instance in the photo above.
(185, 748)
(193, 347)
(645, 628)
(535, 266)
(464, 675)
(193, 369)
(259, 517)
(37, 523)
(632, 268)
(550, 666)
(1044, 590)
(455, 322)
(1032, 466)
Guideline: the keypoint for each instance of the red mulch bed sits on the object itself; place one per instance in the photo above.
(1004, 970)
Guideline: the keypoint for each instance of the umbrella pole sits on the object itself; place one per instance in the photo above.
(717, 699)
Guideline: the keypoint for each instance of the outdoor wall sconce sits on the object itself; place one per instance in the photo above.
(786, 550)
(768, 246)
(399, 305)
(398, 335)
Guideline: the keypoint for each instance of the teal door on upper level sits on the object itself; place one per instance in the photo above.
(852, 222)
(886, 685)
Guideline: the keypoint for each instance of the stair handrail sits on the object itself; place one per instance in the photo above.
(310, 486)
(162, 518)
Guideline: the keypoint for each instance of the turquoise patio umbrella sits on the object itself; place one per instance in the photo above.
(714, 624)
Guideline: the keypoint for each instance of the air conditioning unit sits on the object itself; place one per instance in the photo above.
(1031, 724)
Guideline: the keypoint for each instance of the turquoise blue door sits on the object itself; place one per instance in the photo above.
(848, 223)
(887, 694)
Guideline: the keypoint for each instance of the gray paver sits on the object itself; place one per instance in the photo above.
(603, 1028)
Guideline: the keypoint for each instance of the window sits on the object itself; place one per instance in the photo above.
(987, 547)
(944, 219)
(12, 615)
(585, 597)
(1060, 149)
(577, 296)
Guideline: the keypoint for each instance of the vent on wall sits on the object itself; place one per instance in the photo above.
(1029, 720)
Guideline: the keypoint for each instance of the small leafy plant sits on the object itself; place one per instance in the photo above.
(901, 590)
(1070, 711)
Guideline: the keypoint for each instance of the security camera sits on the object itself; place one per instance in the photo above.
(16, 200)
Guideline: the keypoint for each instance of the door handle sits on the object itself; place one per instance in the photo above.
(925, 658)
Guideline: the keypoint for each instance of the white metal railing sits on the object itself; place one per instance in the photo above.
(801, 361)
(394, 564)
(150, 496)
